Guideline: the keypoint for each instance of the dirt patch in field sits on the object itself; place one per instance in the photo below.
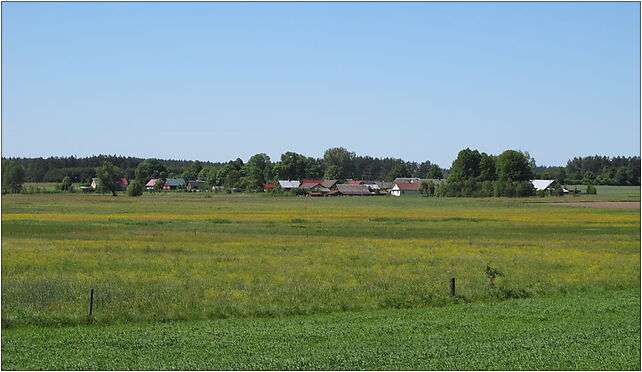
(620, 205)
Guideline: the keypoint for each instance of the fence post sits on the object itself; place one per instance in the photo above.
(452, 286)
(91, 303)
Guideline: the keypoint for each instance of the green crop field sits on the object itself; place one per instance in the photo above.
(308, 262)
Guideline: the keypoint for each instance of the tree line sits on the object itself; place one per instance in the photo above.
(471, 174)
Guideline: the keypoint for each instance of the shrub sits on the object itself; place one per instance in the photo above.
(590, 189)
(135, 188)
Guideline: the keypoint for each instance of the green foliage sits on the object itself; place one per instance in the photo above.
(135, 188)
(109, 176)
(513, 166)
(555, 333)
(150, 168)
(258, 171)
(427, 188)
(399, 171)
(466, 167)
(334, 172)
(12, 176)
(434, 172)
(492, 273)
(590, 189)
(341, 157)
(192, 171)
(65, 185)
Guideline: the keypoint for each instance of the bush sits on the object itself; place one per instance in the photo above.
(135, 188)
(590, 189)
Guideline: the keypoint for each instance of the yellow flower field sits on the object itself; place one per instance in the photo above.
(197, 257)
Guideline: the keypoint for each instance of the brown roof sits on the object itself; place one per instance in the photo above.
(347, 189)
(408, 186)
(309, 185)
(328, 183)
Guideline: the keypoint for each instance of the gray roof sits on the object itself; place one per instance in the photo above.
(417, 180)
(289, 184)
(347, 189)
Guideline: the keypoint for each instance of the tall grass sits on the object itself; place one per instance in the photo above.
(183, 257)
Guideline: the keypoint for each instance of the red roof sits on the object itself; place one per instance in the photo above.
(124, 181)
(408, 186)
(356, 182)
(269, 186)
(311, 181)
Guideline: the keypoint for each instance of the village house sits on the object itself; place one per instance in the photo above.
(289, 185)
(151, 184)
(173, 183)
(196, 185)
(354, 190)
(405, 188)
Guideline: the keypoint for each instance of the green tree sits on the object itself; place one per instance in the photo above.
(341, 157)
(256, 169)
(191, 172)
(513, 166)
(135, 188)
(292, 166)
(109, 176)
(434, 172)
(588, 178)
(65, 184)
(150, 168)
(12, 176)
(399, 171)
(231, 179)
(466, 166)
(487, 168)
(334, 172)
(427, 188)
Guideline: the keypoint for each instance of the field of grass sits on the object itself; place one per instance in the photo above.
(578, 332)
(189, 257)
(623, 192)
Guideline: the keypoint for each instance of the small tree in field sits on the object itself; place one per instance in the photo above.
(12, 176)
(65, 184)
(109, 176)
(135, 188)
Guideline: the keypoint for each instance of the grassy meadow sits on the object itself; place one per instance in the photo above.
(190, 257)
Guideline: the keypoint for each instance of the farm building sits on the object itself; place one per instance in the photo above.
(382, 185)
(405, 188)
(314, 187)
(540, 185)
(289, 185)
(124, 182)
(329, 184)
(151, 184)
(173, 183)
(196, 185)
(353, 190)
(95, 183)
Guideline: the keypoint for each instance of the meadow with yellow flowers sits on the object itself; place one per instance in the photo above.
(187, 257)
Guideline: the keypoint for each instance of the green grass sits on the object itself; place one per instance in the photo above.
(193, 281)
(591, 331)
(624, 192)
(185, 257)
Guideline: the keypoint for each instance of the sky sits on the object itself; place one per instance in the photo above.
(417, 81)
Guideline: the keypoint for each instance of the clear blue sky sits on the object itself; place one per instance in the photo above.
(420, 81)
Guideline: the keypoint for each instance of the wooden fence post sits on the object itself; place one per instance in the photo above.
(91, 303)
(452, 286)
